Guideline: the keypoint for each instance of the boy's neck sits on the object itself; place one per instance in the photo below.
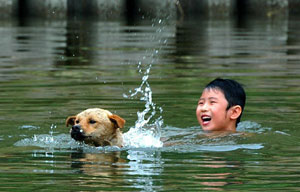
(231, 127)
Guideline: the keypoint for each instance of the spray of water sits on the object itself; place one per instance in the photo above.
(147, 129)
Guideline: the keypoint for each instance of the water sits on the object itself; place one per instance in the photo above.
(151, 74)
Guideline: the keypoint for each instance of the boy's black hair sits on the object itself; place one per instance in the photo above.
(233, 91)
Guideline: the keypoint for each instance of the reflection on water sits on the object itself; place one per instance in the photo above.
(50, 70)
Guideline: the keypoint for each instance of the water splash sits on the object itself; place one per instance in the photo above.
(146, 96)
(47, 139)
(147, 129)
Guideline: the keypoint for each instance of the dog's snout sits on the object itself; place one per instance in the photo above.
(76, 128)
(77, 133)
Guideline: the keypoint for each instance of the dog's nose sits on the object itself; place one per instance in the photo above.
(77, 133)
(76, 128)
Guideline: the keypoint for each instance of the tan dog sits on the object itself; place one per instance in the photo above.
(97, 127)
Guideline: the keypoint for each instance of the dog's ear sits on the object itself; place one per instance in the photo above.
(117, 120)
(70, 120)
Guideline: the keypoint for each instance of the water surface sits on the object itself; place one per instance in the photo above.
(54, 69)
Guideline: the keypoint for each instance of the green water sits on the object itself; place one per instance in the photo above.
(51, 70)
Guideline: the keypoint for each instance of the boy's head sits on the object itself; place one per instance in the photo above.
(221, 105)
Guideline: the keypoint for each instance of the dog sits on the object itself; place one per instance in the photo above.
(97, 127)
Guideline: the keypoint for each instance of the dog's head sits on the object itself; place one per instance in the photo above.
(96, 126)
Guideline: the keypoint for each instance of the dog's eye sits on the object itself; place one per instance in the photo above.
(92, 121)
(77, 121)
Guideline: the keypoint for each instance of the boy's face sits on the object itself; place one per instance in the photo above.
(211, 111)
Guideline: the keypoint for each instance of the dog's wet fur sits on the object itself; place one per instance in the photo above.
(97, 127)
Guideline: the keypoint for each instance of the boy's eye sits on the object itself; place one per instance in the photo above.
(200, 102)
(92, 121)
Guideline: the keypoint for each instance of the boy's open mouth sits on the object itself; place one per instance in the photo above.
(205, 119)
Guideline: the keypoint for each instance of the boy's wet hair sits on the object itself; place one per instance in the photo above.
(233, 92)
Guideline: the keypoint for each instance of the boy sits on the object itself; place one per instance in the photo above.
(221, 105)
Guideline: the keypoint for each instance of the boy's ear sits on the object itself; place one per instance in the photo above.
(236, 112)
(117, 120)
(70, 121)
